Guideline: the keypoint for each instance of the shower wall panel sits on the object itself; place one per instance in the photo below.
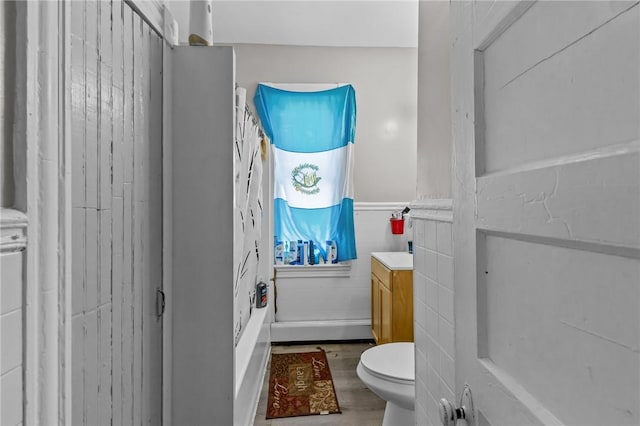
(116, 108)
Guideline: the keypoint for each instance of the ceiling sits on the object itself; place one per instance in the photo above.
(350, 23)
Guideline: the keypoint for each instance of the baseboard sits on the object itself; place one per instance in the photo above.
(300, 331)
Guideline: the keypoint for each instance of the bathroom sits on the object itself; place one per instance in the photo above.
(509, 128)
(330, 304)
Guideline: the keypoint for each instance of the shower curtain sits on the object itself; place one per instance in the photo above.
(247, 210)
(312, 137)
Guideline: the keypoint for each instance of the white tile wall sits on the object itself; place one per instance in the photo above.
(433, 309)
(12, 258)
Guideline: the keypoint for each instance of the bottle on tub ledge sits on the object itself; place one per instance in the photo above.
(292, 258)
(279, 252)
(332, 252)
(261, 295)
(305, 253)
(312, 253)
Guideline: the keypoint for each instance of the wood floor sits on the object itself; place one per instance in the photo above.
(360, 406)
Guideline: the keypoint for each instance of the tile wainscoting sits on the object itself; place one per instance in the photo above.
(13, 242)
(433, 307)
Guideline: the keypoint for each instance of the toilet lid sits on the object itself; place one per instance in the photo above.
(393, 360)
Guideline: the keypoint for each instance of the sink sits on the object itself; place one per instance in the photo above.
(397, 260)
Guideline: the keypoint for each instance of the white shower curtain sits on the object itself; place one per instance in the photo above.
(247, 211)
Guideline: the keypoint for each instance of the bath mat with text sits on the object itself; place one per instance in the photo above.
(300, 384)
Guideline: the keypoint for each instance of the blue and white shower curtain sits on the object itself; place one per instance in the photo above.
(312, 137)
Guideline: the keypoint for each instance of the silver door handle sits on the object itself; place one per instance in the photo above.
(450, 414)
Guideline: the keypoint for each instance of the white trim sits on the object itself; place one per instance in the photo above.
(436, 209)
(379, 205)
(340, 270)
(167, 230)
(603, 152)
(65, 222)
(42, 153)
(432, 204)
(251, 357)
(300, 331)
(542, 414)
(247, 343)
(245, 409)
(13, 230)
(151, 11)
(503, 15)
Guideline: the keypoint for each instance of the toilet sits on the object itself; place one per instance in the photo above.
(389, 371)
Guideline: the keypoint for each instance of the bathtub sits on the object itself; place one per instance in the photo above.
(251, 356)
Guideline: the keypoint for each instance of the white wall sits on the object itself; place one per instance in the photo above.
(379, 23)
(339, 305)
(434, 123)
(202, 186)
(385, 81)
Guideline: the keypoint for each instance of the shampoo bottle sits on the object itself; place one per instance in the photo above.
(279, 253)
(332, 252)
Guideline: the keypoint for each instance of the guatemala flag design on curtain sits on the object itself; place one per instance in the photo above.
(312, 135)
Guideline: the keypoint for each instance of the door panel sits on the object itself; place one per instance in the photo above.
(116, 88)
(375, 308)
(386, 313)
(544, 325)
(546, 100)
(572, 111)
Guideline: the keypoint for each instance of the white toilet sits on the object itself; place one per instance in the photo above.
(389, 371)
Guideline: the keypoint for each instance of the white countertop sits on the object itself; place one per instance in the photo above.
(395, 260)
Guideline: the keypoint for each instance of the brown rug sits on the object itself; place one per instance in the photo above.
(300, 384)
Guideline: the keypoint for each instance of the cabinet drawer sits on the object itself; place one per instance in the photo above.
(383, 274)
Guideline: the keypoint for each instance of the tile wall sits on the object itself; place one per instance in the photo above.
(433, 308)
(13, 226)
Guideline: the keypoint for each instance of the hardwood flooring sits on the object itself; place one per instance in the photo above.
(360, 406)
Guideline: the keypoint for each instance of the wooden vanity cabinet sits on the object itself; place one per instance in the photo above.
(391, 304)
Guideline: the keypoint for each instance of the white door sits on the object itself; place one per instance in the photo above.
(546, 113)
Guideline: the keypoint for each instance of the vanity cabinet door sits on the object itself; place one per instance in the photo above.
(386, 314)
(375, 308)
(402, 306)
(391, 304)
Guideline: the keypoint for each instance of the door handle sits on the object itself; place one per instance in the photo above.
(450, 414)
(160, 303)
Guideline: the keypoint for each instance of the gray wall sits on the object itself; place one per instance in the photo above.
(202, 169)
(7, 78)
(385, 80)
(434, 114)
